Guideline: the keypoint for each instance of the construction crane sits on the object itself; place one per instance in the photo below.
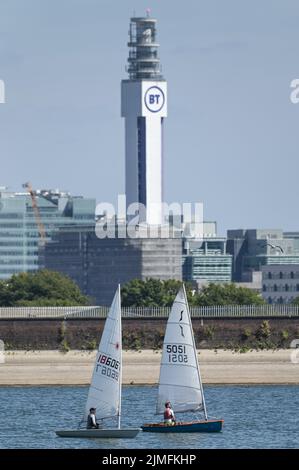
(40, 225)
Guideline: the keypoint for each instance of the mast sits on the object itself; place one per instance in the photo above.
(196, 358)
(121, 361)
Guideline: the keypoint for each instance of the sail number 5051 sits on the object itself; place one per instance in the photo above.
(176, 353)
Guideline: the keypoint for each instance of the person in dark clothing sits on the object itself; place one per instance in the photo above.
(92, 420)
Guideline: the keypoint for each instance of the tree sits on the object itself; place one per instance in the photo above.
(5, 296)
(156, 293)
(227, 294)
(40, 288)
(152, 293)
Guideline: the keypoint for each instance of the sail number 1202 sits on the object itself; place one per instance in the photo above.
(176, 353)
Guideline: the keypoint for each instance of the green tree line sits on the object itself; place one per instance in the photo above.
(156, 293)
(49, 288)
(42, 289)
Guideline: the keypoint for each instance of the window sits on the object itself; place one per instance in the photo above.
(280, 275)
(270, 300)
(264, 288)
(269, 275)
(292, 275)
(286, 287)
(275, 287)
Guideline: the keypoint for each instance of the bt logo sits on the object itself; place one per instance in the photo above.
(154, 99)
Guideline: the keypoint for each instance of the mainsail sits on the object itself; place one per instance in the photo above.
(180, 381)
(105, 389)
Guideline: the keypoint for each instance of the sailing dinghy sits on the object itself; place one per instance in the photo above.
(105, 390)
(180, 381)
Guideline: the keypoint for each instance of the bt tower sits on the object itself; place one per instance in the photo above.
(144, 107)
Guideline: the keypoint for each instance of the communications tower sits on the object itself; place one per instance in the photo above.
(144, 107)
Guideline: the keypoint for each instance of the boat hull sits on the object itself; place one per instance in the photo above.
(210, 425)
(125, 433)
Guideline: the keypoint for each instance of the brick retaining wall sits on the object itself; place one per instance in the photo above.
(148, 333)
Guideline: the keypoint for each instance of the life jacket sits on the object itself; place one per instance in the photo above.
(167, 413)
(89, 422)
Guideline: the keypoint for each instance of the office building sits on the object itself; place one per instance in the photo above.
(19, 231)
(98, 265)
(207, 260)
(252, 249)
(280, 283)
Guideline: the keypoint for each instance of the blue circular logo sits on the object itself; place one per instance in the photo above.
(154, 99)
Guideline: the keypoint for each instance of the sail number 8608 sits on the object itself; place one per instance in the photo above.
(108, 361)
(108, 366)
(176, 353)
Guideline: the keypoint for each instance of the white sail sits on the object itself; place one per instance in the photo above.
(105, 389)
(180, 381)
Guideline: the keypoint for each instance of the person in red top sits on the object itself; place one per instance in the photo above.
(169, 417)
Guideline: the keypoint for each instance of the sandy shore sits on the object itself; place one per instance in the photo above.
(75, 367)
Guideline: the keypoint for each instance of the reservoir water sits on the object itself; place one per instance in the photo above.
(255, 417)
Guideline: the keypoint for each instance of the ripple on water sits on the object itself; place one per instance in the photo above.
(255, 417)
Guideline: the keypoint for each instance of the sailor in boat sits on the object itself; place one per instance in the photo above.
(169, 417)
(92, 420)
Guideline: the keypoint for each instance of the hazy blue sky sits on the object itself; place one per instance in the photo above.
(232, 133)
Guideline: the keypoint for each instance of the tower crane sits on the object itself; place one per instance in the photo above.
(39, 223)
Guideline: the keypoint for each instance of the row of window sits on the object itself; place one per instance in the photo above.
(16, 262)
(14, 244)
(282, 275)
(10, 216)
(280, 300)
(284, 288)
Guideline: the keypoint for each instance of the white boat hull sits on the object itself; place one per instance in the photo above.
(125, 433)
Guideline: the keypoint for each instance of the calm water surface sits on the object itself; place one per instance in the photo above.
(255, 417)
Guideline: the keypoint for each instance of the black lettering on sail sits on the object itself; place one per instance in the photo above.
(181, 315)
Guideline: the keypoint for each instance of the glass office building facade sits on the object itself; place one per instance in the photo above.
(19, 234)
(207, 261)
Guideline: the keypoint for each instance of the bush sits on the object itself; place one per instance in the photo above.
(209, 332)
(246, 333)
(91, 345)
(64, 347)
(284, 335)
(132, 341)
(264, 330)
